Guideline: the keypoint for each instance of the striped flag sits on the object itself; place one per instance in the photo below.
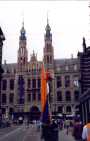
(44, 96)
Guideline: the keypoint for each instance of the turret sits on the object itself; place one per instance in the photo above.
(48, 48)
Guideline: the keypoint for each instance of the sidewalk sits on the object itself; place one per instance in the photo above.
(64, 137)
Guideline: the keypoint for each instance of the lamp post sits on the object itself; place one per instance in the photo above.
(2, 38)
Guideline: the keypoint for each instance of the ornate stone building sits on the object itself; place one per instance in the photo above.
(20, 89)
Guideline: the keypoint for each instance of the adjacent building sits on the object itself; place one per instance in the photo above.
(84, 61)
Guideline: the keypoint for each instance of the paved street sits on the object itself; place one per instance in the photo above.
(21, 133)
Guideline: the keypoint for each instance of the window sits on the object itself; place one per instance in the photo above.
(4, 84)
(68, 109)
(59, 96)
(3, 98)
(67, 81)
(39, 97)
(11, 98)
(59, 83)
(11, 84)
(29, 97)
(60, 109)
(76, 95)
(21, 101)
(34, 83)
(39, 83)
(33, 96)
(68, 96)
(29, 83)
(75, 80)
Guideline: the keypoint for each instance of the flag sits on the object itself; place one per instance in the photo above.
(45, 116)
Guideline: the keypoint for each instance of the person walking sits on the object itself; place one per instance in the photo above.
(67, 124)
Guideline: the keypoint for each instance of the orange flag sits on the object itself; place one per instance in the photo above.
(45, 96)
(43, 87)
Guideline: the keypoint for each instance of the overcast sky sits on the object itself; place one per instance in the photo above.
(69, 21)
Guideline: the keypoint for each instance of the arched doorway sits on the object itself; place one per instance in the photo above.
(34, 113)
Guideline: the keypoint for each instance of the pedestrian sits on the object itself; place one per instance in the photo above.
(67, 123)
(77, 129)
(86, 131)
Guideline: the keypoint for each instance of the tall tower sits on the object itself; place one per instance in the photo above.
(22, 52)
(48, 59)
(48, 48)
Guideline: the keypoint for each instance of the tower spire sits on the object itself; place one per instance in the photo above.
(84, 44)
(47, 19)
(23, 32)
(23, 21)
(48, 29)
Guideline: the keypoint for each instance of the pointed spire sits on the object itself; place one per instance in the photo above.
(47, 19)
(23, 23)
(48, 29)
(84, 44)
(23, 19)
(48, 26)
(23, 32)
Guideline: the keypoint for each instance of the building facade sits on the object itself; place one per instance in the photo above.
(21, 82)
